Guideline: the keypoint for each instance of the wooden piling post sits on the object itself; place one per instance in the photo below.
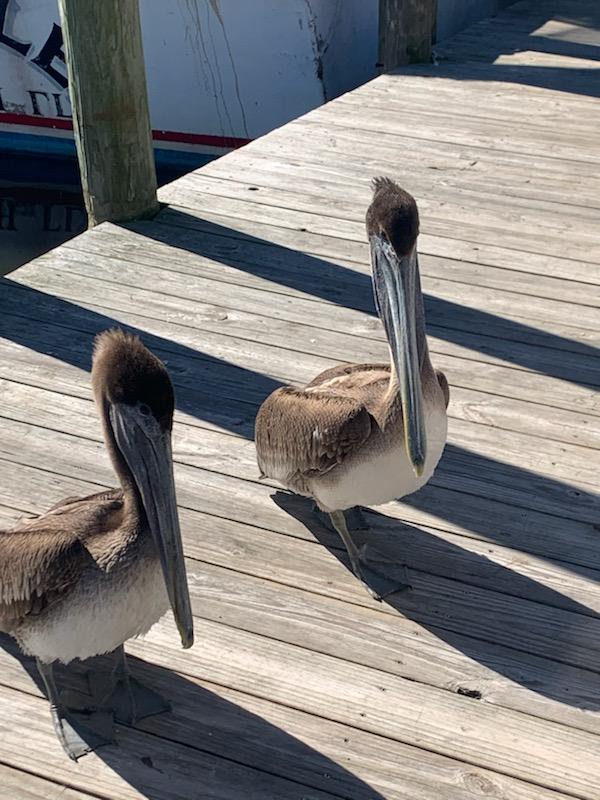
(107, 85)
(406, 30)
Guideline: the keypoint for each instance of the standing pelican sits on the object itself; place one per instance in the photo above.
(92, 572)
(364, 434)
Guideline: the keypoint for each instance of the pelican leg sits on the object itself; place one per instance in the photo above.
(354, 517)
(377, 580)
(130, 700)
(79, 731)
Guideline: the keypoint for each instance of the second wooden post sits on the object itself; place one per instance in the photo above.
(406, 29)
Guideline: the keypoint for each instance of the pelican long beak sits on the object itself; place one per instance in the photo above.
(150, 460)
(394, 284)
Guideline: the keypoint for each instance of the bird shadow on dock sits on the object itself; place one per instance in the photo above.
(212, 389)
(206, 745)
(520, 629)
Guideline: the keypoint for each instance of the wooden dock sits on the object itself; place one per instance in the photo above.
(484, 680)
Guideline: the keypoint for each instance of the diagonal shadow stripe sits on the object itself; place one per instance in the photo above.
(515, 342)
(212, 389)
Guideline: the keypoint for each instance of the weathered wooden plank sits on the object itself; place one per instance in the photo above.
(406, 31)
(300, 236)
(269, 610)
(441, 311)
(457, 130)
(338, 149)
(501, 159)
(312, 749)
(536, 124)
(9, 515)
(515, 85)
(241, 390)
(350, 195)
(105, 60)
(442, 180)
(18, 785)
(223, 356)
(199, 193)
(429, 654)
(141, 766)
(73, 456)
(237, 415)
(476, 461)
(566, 90)
(263, 267)
(548, 41)
(315, 671)
(478, 603)
(482, 407)
(483, 468)
(79, 420)
(522, 746)
(461, 223)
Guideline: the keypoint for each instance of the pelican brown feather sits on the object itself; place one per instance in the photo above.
(363, 434)
(94, 571)
(42, 559)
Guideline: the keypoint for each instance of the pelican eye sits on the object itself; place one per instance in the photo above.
(144, 410)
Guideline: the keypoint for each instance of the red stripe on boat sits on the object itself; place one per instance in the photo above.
(230, 142)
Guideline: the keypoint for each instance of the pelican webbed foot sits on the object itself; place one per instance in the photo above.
(378, 574)
(79, 731)
(129, 699)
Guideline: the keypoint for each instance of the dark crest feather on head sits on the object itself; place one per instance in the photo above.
(125, 371)
(393, 212)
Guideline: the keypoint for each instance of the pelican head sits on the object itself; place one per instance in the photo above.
(392, 228)
(136, 399)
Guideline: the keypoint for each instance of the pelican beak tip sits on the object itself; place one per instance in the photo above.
(418, 464)
(187, 639)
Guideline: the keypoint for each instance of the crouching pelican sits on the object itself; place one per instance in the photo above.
(92, 572)
(364, 434)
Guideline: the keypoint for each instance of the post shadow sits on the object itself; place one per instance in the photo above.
(515, 342)
(210, 388)
(214, 390)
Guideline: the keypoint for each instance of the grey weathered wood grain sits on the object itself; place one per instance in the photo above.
(346, 198)
(445, 313)
(498, 229)
(259, 273)
(18, 785)
(140, 766)
(406, 31)
(492, 467)
(269, 610)
(107, 86)
(336, 152)
(578, 148)
(480, 476)
(263, 267)
(217, 327)
(238, 413)
(578, 635)
(520, 745)
(212, 717)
